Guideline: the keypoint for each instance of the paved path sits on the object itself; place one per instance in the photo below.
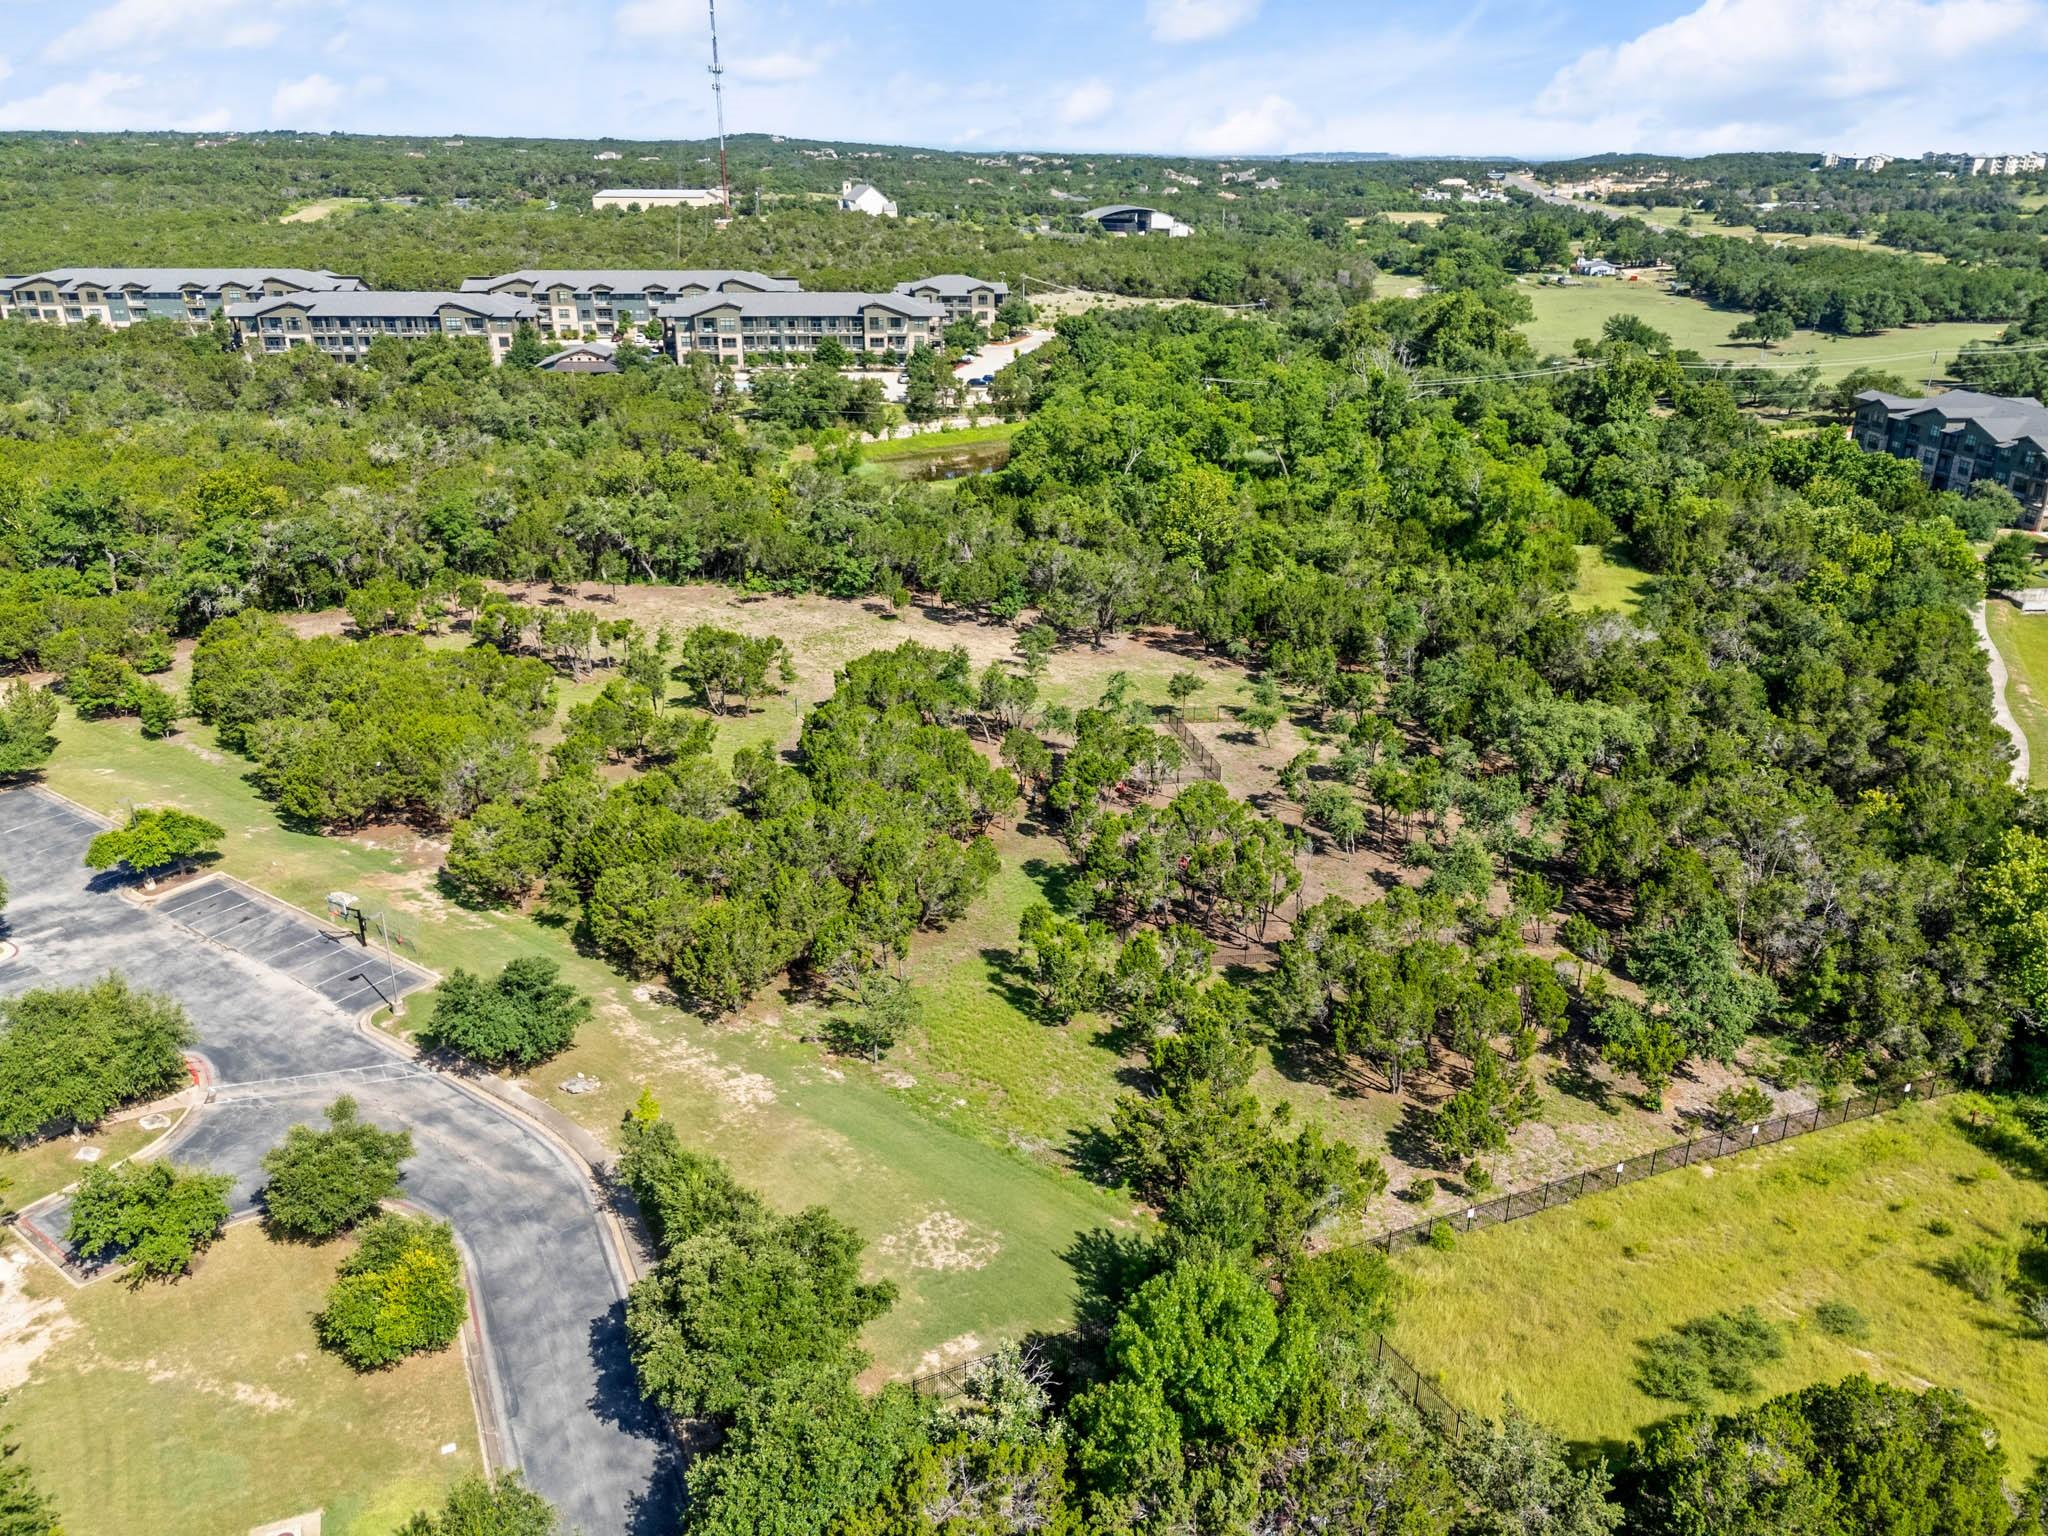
(550, 1289)
(2001, 683)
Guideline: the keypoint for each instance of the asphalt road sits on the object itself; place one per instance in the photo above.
(551, 1298)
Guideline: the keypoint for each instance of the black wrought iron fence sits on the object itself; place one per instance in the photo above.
(1516, 1204)
(1200, 758)
(1437, 1410)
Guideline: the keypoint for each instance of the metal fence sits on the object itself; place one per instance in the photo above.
(1680, 1154)
(1202, 759)
(1438, 1411)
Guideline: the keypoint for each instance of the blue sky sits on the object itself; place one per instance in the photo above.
(1537, 78)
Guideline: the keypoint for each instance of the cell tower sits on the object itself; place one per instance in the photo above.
(718, 102)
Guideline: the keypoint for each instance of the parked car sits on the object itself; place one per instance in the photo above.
(983, 381)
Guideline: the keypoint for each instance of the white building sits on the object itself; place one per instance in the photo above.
(865, 197)
(1135, 219)
(656, 197)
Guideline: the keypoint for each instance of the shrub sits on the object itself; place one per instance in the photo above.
(1442, 1236)
(523, 1017)
(398, 1294)
(153, 840)
(1840, 1320)
(1419, 1191)
(1743, 1105)
(323, 1181)
(1983, 1269)
(70, 1055)
(1940, 1228)
(1477, 1179)
(155, 1216)
(476, 1506)
(1713, 1353)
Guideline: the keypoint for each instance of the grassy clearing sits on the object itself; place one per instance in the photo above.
(1430, 217)
(931, 444)
(1608, 580)
(1865, 1214)
(1668, 215)
(206, 1406)
(1564, 315)
(46, 1167)
(321, 208)
(2022, 639)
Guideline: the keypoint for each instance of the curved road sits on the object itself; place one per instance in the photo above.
(551, 1293)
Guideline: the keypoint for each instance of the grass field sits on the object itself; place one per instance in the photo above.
(2022, 639)
(1564, 315)
(1607, 580)
(206, 1406)
(1669, 214)
(1552, 1308)
(321, 208)
(44, 1168)
(929, 444)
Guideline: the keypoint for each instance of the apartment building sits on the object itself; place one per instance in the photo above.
(745, 328)
(120, 296)
(601, 300)
(962, 298)
(344, 324)
(1961, 437)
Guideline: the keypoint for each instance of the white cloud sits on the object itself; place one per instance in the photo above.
(307, 103)
(660, 18)
(6, 68)
(251, 34)
(778, 68)
(337, 44)
(89, 104)
(1271, 123)
(126, 25)
(1732, 54)
(1191, 21)
(1088, 102)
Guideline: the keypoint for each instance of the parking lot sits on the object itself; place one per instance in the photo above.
(332, 961)
(549, 1288)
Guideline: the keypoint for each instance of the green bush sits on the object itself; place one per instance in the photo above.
(1442, 1236)
(476, 1506)
(71, 1055)
(1717, 1353)
(522, 1017)
(153, 1215)
(323, 1181)
(398, 1294)
(1839, 1320)
(1985, 1270)
(155, 839)
(1419, 1191)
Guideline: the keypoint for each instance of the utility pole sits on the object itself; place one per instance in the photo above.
(718, 103)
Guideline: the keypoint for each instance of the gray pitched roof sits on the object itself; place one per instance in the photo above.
(379, 306)
(801, 304)
(2005, 417)
(952, 285)
(170, 279)
(629, 280)
(1107, 209)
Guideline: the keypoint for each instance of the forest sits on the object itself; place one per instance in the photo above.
(1761, 821)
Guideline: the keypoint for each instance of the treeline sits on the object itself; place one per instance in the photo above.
(717, 880)
(1225, 1379)
(1851, 292)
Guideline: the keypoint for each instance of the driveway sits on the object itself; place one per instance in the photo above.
(998, 355)
(548, 1283)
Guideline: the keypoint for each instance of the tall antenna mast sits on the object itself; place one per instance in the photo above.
(718, 101)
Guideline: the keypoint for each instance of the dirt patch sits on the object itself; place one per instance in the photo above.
(941, 1241)
(30, 1326)
(745, 1091)
(952, 1352)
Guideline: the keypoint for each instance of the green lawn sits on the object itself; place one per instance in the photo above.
(934, 444)
(1552, 1308)
(1564, 315)
(2022, 639)
(206, 1406)
(1607, 580)
(970, 1224)
(44, 1168)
